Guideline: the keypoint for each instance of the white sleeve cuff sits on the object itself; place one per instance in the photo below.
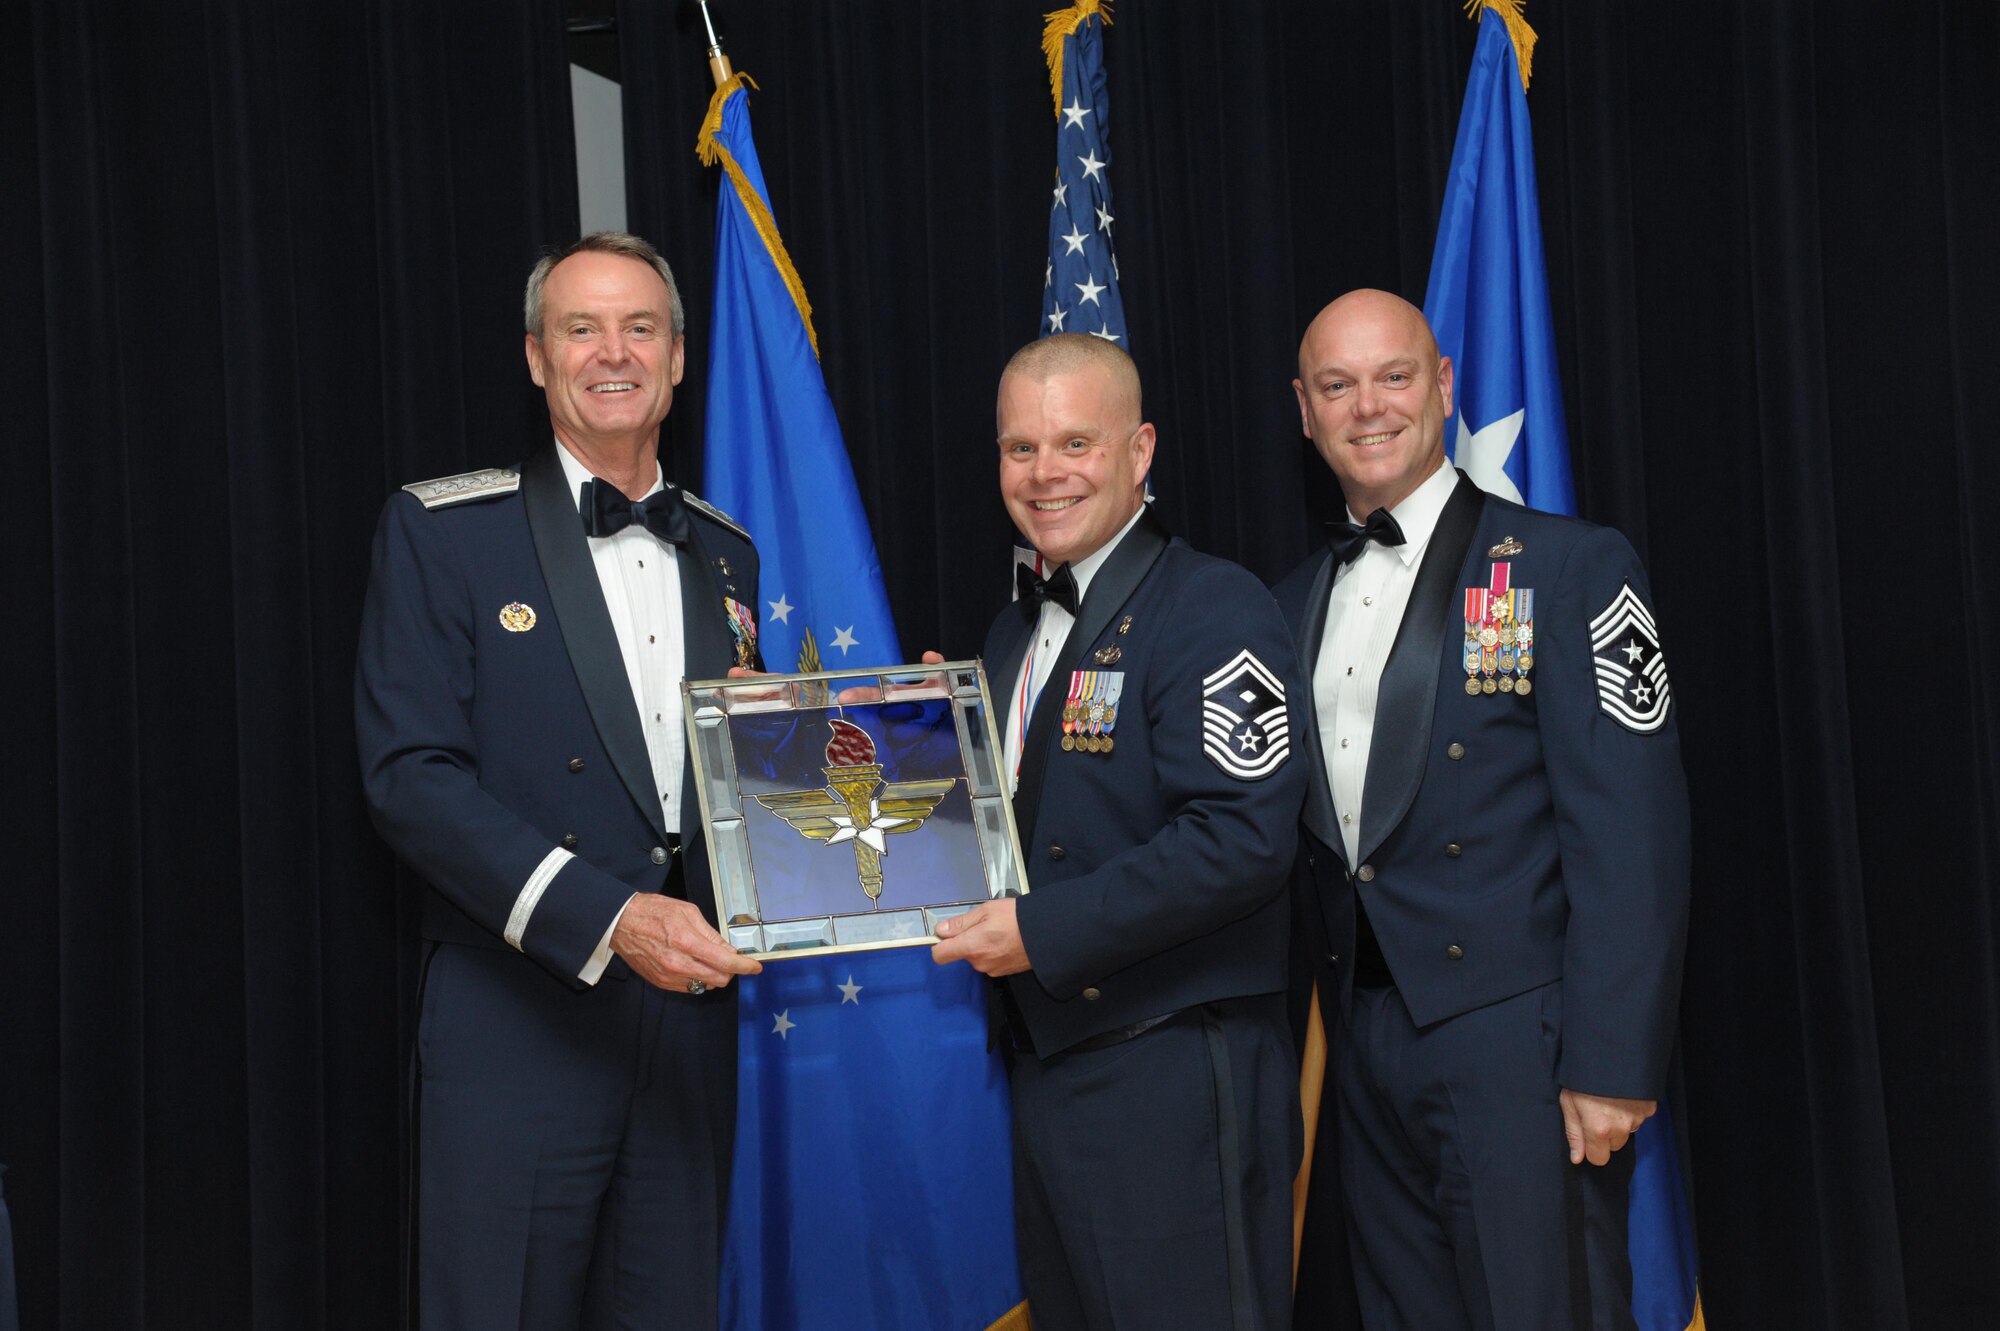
(593, 970)
(531, 894)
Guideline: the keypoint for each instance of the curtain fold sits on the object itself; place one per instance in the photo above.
(264, 264)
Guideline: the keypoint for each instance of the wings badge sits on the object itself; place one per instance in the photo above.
(856, 806)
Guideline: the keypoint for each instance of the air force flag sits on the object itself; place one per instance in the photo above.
(1488, 301)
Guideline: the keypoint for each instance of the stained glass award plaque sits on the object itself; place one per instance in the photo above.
(839, 827)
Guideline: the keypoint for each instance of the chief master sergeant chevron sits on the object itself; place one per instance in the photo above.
(1497, 830)
(517, 705)
(1153, 706)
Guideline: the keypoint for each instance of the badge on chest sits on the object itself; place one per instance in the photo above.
(1499, 635)
(1091, 711)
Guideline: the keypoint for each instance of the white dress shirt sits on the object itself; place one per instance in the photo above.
(641, 581)
(1051, 633)
(1362, 615)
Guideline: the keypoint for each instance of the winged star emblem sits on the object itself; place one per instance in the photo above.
(856, 806)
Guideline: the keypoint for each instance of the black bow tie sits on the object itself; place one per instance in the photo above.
(1059, 586)
(1348, 539)
(606, 510)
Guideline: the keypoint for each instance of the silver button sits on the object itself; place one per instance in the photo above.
(1455, 752)
(1366, 873)
(1346, 818)
(1368, 600)
(1092, 994)
(1343, 744)
(1454, 953)
(659, 854)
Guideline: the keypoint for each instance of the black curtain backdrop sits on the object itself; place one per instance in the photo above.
(263, 263)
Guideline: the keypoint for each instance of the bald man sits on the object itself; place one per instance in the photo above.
(1497, 834)
(1151, 705)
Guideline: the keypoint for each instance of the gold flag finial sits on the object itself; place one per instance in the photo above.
(1518, 30)
(1060, 24)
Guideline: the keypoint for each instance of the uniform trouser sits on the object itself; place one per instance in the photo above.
(1463, 1209)
(1152, 1180)
(573, 1148)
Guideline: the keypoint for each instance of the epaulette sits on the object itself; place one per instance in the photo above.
(466, 486)
(696, 501)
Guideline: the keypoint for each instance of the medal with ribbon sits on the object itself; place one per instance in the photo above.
(1524, 637)
(1072, 714)
(1105, 687)
(1475, 619)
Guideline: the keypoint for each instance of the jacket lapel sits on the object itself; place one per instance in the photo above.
(1407, 696)
(1319, 816)
(707, 641)
(1109, 589)
(587, 634)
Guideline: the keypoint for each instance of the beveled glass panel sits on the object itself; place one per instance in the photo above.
(836, 824)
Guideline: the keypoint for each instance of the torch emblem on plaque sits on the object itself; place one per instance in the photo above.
(856, 805)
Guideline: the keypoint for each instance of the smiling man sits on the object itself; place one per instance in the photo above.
(1152, 704)
(517, 707)
(1497, 836)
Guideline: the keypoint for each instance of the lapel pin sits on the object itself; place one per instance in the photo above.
(517, 618)
(1508, 546)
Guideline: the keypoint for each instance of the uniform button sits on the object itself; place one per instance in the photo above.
(1454, 952)
(569, 841)
(1366, 873)
(1092, 994)
(1455, 752)
(1346, 819)
(1343, 744)
(1333, 958)
(659, 854)
(1368, 600)
(1454, 850)
(1057, 852)
(576, 764)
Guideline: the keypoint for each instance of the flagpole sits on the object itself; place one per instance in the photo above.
(718, 63)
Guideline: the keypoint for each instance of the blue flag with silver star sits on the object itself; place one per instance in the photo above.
(1080, 287)
(1489, 297)
(1489, 306)
(871, 1116)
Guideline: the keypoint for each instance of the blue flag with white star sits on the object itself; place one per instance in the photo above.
(1080, 287)
(1489, 305)
(1489, 297)
(872, 1118)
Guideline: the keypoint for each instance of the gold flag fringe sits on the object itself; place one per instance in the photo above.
(1061, 24)
(1518, 30)
(1015, 1319)
(710, 150)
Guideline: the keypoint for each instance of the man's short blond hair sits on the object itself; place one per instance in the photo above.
(1067, 353)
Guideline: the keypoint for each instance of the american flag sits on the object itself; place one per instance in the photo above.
(1080, 291)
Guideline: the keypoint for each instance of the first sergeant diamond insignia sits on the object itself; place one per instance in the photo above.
(1245, 729)
(1631, 674)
